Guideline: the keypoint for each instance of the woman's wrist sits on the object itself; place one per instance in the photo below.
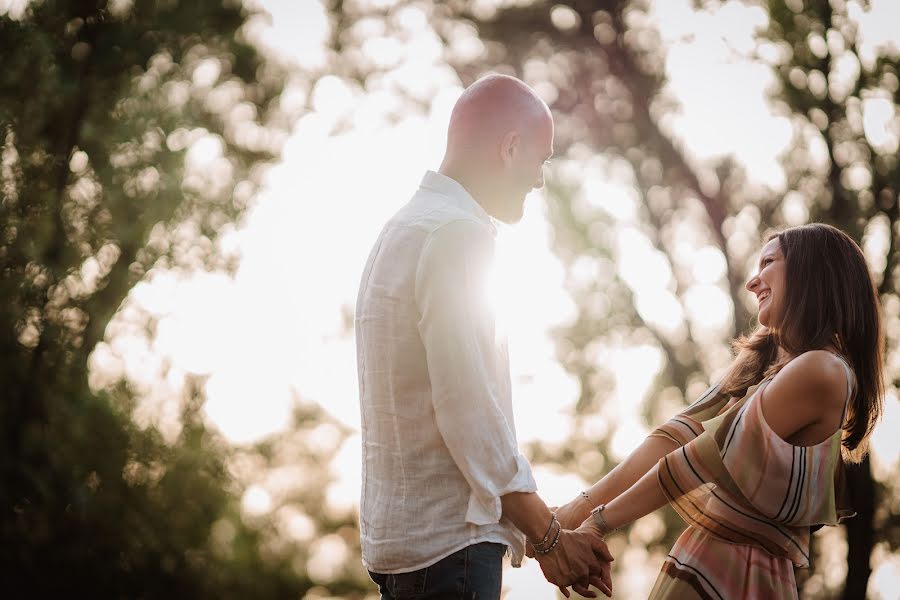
(600, 522)
(585, 503)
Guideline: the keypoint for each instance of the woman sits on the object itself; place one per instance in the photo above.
(757, 461)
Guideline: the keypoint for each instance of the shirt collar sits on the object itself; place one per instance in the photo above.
(457, 194)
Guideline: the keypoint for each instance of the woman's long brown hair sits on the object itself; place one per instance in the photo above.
(830, 299)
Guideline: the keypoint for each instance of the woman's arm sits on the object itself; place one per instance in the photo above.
(641, 499)
(809, 390)
(638, 464)
(676, 432)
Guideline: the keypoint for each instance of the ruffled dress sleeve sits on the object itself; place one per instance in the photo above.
(739, 481)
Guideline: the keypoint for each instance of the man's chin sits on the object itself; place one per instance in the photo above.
(512, 216)
(510, 220)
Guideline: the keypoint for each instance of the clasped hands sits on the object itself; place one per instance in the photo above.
(580, 559)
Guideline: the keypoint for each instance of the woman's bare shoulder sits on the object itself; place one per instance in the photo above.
(806, 391)
(817, 371)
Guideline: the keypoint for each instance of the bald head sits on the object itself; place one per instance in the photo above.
(500, 136)
(490, 108)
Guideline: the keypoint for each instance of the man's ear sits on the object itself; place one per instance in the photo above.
(510, 147)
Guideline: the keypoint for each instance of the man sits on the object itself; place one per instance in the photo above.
(445, 490)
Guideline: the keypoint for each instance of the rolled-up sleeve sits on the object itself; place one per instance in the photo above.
(457, 329)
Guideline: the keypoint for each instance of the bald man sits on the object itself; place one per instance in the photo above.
(445, 491)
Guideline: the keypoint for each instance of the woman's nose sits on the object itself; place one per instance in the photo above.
(752, 283)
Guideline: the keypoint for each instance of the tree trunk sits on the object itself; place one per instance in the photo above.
(860, 530)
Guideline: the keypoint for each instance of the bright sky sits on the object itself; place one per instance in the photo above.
(304, 243)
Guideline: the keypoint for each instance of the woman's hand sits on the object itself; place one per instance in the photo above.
(589, 526)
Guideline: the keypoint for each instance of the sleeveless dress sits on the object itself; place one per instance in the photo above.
(749, 499)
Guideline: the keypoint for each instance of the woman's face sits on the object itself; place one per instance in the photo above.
(769, 284)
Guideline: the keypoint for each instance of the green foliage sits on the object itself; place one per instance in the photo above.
(130, 134)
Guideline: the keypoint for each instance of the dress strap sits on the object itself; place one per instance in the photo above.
(850, 380)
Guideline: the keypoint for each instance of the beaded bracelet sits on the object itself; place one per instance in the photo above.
(555, 540)
(546, 535)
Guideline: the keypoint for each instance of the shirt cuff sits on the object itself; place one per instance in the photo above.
(486, 510)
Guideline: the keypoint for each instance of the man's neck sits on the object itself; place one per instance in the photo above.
(470, 183)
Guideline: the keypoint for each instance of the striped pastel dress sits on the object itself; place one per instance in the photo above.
(748, 497)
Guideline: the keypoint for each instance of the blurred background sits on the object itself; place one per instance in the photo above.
(189, 190)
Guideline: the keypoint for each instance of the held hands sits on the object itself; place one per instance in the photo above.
(569, 515)
(579, 559)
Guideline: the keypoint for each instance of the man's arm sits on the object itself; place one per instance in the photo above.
(528, 513)
(457, 330)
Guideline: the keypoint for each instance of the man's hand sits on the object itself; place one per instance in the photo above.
(580, 559)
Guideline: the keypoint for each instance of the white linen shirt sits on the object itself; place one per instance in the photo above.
(439, 444)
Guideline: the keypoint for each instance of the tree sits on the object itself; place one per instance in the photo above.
(131, 133)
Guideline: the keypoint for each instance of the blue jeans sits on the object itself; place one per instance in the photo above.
(473, 573)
